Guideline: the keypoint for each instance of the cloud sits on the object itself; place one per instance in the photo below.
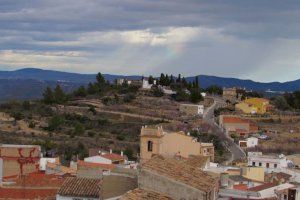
(250, 39)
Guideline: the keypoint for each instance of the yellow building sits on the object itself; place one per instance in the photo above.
(246, 108)
(155, 141)
(254, 173)
(253, 106)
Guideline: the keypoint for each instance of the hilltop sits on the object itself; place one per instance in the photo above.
(29, 83)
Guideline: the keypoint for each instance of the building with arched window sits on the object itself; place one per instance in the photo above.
(156, 141)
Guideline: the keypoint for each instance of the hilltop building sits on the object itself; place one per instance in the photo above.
(155, 141)
(253, 106)
(146, 85)
(192, 109)
(237, 125)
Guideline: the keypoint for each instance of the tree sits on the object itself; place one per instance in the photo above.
(92, 88)
(162, 79)
(178, 80)
(48, 96)
(195, 96)
(59, 95)
(196, 82)
(55, 123)
(214, 89)
(281, 103)
(151, 80)
(79, 129)
(100, 79)
(26, 105)
(129, 153)
(80, 92)
(157, 91)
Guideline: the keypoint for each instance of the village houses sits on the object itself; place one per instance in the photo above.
(156, 141)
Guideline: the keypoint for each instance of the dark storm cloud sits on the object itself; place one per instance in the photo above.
(99, 28)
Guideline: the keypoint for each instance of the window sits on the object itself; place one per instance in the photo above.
(150, 145)
(260, 164)
(267, 165)
(253, 163)
(275, 165)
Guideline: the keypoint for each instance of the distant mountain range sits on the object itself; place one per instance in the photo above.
(29, 83)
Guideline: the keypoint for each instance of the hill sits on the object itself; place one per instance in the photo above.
(30, 82)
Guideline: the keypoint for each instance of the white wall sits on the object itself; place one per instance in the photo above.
(43, 162)
(98, 159)
(252, 142)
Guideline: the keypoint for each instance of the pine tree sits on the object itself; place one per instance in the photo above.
(48, 96)
(59, 95)
(100, 79)
(162, 79)
(151, 80)
(179, 78)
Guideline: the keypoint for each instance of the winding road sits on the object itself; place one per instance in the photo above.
(208, 116)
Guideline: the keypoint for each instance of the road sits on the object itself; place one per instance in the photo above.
(208, 116)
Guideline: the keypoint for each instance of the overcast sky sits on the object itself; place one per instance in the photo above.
(253, 39)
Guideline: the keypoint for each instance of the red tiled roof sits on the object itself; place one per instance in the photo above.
(231, 119)
(21, 193)
(242, 187)
(40, 179)
(81, 187)
(100, 165)
(113, 157)
(262, 187)
(37, 185)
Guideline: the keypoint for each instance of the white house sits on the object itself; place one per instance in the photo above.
(107, 158)
(192, 109)
(269, 162)
(146, 84)
(44, 161)
(248, 143)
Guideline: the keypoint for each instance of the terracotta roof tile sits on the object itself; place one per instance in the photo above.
(232, 119)
(99, 165)
(262, 187)
(20, 193)
(179, 171)
(144, 195)
(81, 187)
(113, 157)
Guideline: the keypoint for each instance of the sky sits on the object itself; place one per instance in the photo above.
(257, 39)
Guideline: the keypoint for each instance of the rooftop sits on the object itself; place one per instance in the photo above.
(262, 187)
(182, 172)
(97, 165)
(232, 119)
(81, 187)
(144, 195)
(113, 157)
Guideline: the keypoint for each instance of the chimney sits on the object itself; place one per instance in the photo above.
(110, 151)
(122, 153)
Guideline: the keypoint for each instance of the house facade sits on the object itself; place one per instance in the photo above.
(234, 124)
(155, 141)
(192, 109)
(268, 162)
(253, 106)
(248, 143)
